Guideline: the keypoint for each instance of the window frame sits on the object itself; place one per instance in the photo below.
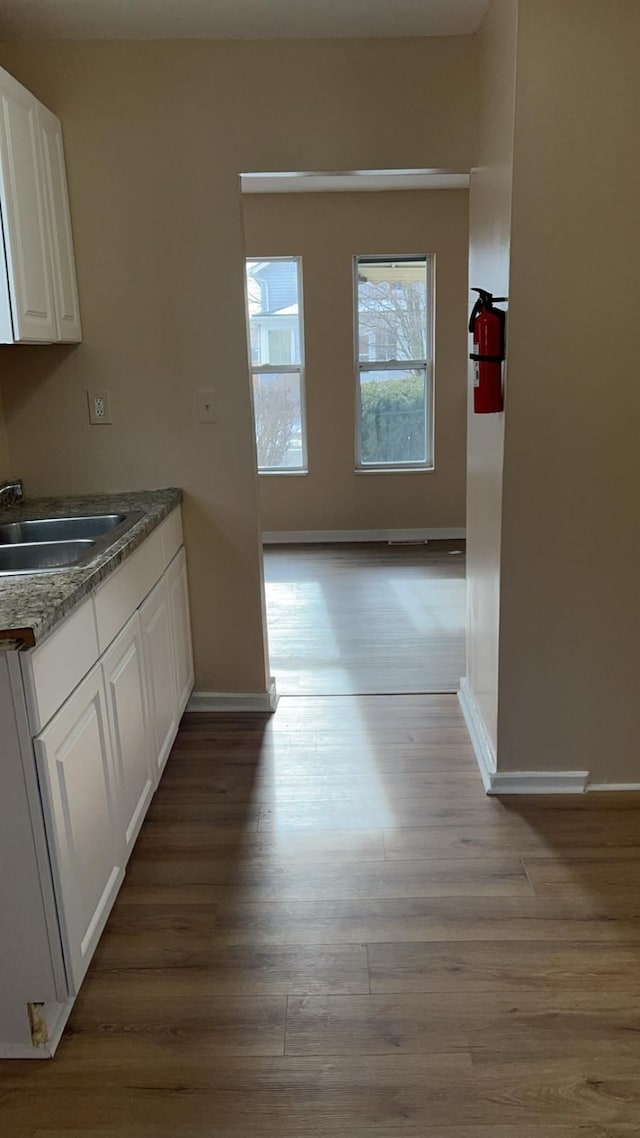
(283, 369)
(426, 365)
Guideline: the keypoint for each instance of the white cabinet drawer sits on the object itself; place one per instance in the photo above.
(53, 669)
(123, 592)
(171, 531)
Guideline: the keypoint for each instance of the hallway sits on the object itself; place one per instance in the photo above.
(366, 619)
(327, 929)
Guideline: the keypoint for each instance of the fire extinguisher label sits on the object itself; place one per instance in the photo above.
(476, 375)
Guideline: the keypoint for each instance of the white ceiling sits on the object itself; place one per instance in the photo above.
(236, 19)
(353, 180)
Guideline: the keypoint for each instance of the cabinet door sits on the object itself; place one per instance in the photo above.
(160, 671)
(181, 627)
(123, 671)
(24, 221)
(63, 266)
(76, 775)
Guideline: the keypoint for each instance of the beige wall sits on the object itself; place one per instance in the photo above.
(570, 642)
(328, 230)
(155, 135)
(490, 228)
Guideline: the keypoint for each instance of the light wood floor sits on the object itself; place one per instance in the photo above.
(327, 929)
(366, 619)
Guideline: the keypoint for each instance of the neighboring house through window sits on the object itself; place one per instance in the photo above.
(394, 362)
(274, 299)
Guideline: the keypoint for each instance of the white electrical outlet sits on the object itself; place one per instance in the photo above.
(207, 405)
(99, 407)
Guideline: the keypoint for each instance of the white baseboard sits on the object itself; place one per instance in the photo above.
(512, 782)
(220, 701)
(480, 741)
(619, 787)
(538, 782)
(332, 536)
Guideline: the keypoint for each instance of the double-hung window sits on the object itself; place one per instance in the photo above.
(394, 362)
(274, 301)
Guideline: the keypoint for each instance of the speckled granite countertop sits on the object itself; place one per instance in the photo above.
(32, 604)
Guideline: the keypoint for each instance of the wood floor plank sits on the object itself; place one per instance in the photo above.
(565, 1023)
(186, 920)
(484, 966)
(386, 812)
(125, 951)
(238, 817)
(607, 1130)
(317, 1095)
(239, 785)
(291, 1096)
(593, 840)
(354, 760)
(242, 970)
(537, 828)
(583, 876)
(222, 1025)
(171, 839)
(432, 919)
(278, 879)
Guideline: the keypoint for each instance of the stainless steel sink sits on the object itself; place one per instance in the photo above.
(42, 545)
(60, 529)
(43, 556)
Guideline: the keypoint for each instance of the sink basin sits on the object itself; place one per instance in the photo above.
(60, 529)
(40, 545)
(42, 557)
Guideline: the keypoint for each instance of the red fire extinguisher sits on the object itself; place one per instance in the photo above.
(487, 327)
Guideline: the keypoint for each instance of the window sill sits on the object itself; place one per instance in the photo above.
(394, 470)
(283, 473)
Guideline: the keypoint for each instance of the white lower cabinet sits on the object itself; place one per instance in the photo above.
(98, 703)
(124, 679)
(78, 786)
(161, 672)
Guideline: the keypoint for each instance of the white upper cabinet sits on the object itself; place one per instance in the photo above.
(63, 266)
(24, 221)
(38, 293)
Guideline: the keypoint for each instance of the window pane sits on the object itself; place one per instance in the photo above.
(278, 411)
(273, 296)
(280, 346)
(393, 417)
(392, 310)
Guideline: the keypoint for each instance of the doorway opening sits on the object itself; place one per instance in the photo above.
(366, 619)
(356, 316)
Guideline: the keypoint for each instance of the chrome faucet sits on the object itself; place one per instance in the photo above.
(10, 491)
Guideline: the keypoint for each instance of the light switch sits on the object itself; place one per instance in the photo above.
(99, 407)
(207, 405)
